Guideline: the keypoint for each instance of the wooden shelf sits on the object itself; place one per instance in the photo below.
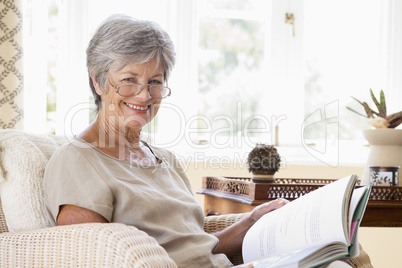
(224, 195)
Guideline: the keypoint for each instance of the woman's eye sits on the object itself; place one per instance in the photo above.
(128, 80)
(155, 82)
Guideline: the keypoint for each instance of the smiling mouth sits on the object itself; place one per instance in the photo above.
(141, 108)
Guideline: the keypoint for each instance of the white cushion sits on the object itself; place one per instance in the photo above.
(23, 157)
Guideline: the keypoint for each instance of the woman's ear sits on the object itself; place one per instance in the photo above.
(98, 90)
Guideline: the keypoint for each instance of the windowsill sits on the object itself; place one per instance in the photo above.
(346, 153)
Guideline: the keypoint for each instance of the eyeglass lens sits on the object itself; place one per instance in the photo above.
(156, 91)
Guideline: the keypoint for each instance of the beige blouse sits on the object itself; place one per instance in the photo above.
(156, 199)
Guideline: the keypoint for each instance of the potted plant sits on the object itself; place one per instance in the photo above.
(379, 119)
(385, 141)
(263, 162)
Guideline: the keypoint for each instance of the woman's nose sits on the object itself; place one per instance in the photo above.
(144, 93)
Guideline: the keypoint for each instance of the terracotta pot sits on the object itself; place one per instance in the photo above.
(385, 150)
(261, 177)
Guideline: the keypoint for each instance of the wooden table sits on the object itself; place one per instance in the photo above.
(225, 195)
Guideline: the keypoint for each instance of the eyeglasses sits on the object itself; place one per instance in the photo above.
(132, 89)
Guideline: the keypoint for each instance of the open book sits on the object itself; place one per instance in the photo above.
(312, 230)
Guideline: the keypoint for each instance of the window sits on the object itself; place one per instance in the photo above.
(232, 73)
(247, 70)
(341, 59)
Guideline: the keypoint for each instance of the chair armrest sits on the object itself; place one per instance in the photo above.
(361, 261)
(82, 245)
(214, 224)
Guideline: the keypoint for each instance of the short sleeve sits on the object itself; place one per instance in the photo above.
(171, 160)
(71, 179)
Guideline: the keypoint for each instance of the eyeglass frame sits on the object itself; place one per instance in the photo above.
(117, 87)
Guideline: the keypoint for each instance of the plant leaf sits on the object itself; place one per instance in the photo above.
(395, 119)
(379, 108)
(369, 111)
(382, 103)
(369, 114)
(350, 109)
(357, 101)
(367, 108)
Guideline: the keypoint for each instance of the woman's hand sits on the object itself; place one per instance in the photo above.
(231, 238)
(263, 209)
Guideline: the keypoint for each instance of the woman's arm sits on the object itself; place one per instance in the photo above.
(70, 214)
(231, 238)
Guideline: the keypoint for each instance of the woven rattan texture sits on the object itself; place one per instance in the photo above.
(83, 245)
(217, 223)
(3, 225)
(362, 261)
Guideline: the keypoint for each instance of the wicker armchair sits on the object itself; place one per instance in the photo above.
(90, 245)
(26, 240)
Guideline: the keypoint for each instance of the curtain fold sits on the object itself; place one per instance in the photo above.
(392, 53)
(11, 74)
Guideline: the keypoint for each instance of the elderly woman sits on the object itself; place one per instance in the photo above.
(108, 174)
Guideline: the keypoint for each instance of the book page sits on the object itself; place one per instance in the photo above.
(285, 259)
(356, 197)
(303, 258)
(311, 220)
(358, 206)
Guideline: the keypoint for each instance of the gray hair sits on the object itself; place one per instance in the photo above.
(120, 40)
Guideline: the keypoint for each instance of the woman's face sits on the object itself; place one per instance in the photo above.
(134, 111)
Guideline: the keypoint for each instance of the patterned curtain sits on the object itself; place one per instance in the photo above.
(11, 76)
